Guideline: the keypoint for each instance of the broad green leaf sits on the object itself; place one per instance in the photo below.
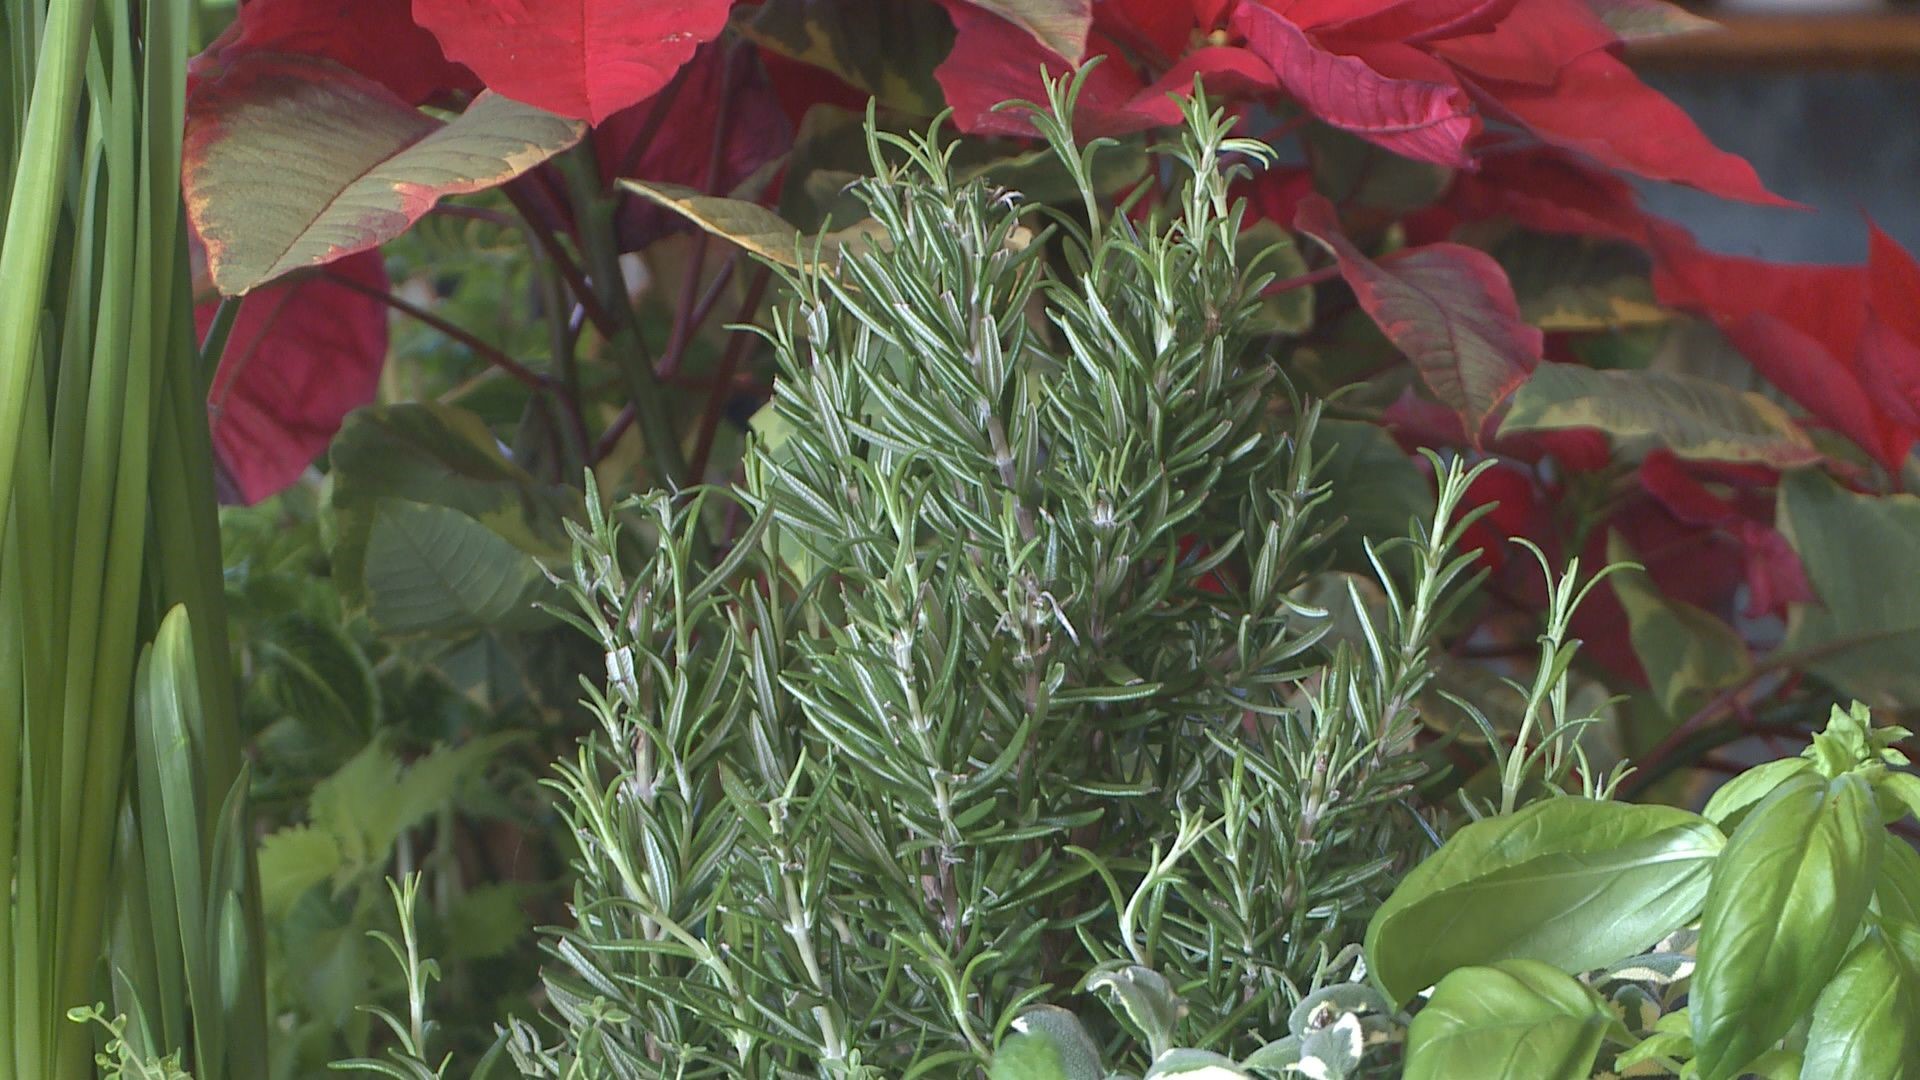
(1515, 1020)
(1638, 20)
(1079, 1056)
(1290, 311)
(1030, 1056)
(294, 162)
(755, 228)
(426, 452)
(1350, 170)
(1196, 1065)
(1642, 410)
(1334, 1049)
(1862, 556)
(1060, 25)
(888, 48)
(1896, 892)
(314, 674)
(388, 460)
(1787, 895)
(1374, 487)
(1864, 1021)
(1899, 794)
(1275, 1058)
(1568, 283)
(1578, 883)
(1686, 652)
(1750, 786)
(431, 570)
(1146, 999)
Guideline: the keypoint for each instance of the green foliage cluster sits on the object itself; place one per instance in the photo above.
(971, 717)
(1773, 934)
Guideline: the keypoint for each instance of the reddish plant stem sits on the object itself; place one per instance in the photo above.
(480, 348)
(723, 377)
(550, 245)
(1314, 277)
(683, 321)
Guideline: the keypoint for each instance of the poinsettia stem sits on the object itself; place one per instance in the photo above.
(1313, 277)
(683, 315)
(737, 346)
(556, 253)
(484, 351)
(593, 214)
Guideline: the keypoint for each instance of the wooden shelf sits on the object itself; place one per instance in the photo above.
(1885, 42)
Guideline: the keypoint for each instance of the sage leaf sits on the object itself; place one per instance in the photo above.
(1517, 1018)
(1029, 1056)
(1078, 1055)
(1577, 883)
(1786, 897)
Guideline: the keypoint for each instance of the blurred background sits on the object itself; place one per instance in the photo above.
(1823, 96)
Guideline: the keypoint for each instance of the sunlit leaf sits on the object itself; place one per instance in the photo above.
(294, 162)
(750, 225)
(581, 58)
(1694, 418)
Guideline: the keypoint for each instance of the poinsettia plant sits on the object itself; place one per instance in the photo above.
(1452, 198)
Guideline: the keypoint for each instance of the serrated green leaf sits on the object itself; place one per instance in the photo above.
(1640, 410)
(1516, 1020)
(487, 921)
(1787, 895)
(1578, 883)
(292, 162)
(293, 860)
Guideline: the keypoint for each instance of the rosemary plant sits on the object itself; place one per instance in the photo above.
(1007, 693)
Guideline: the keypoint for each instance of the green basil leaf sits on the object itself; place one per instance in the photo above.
(1518, 1019)
(1577, 883)
(1862, 1023)
(1903, 788)
(1750, 787)
(1787, 895)
(1896, 893)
